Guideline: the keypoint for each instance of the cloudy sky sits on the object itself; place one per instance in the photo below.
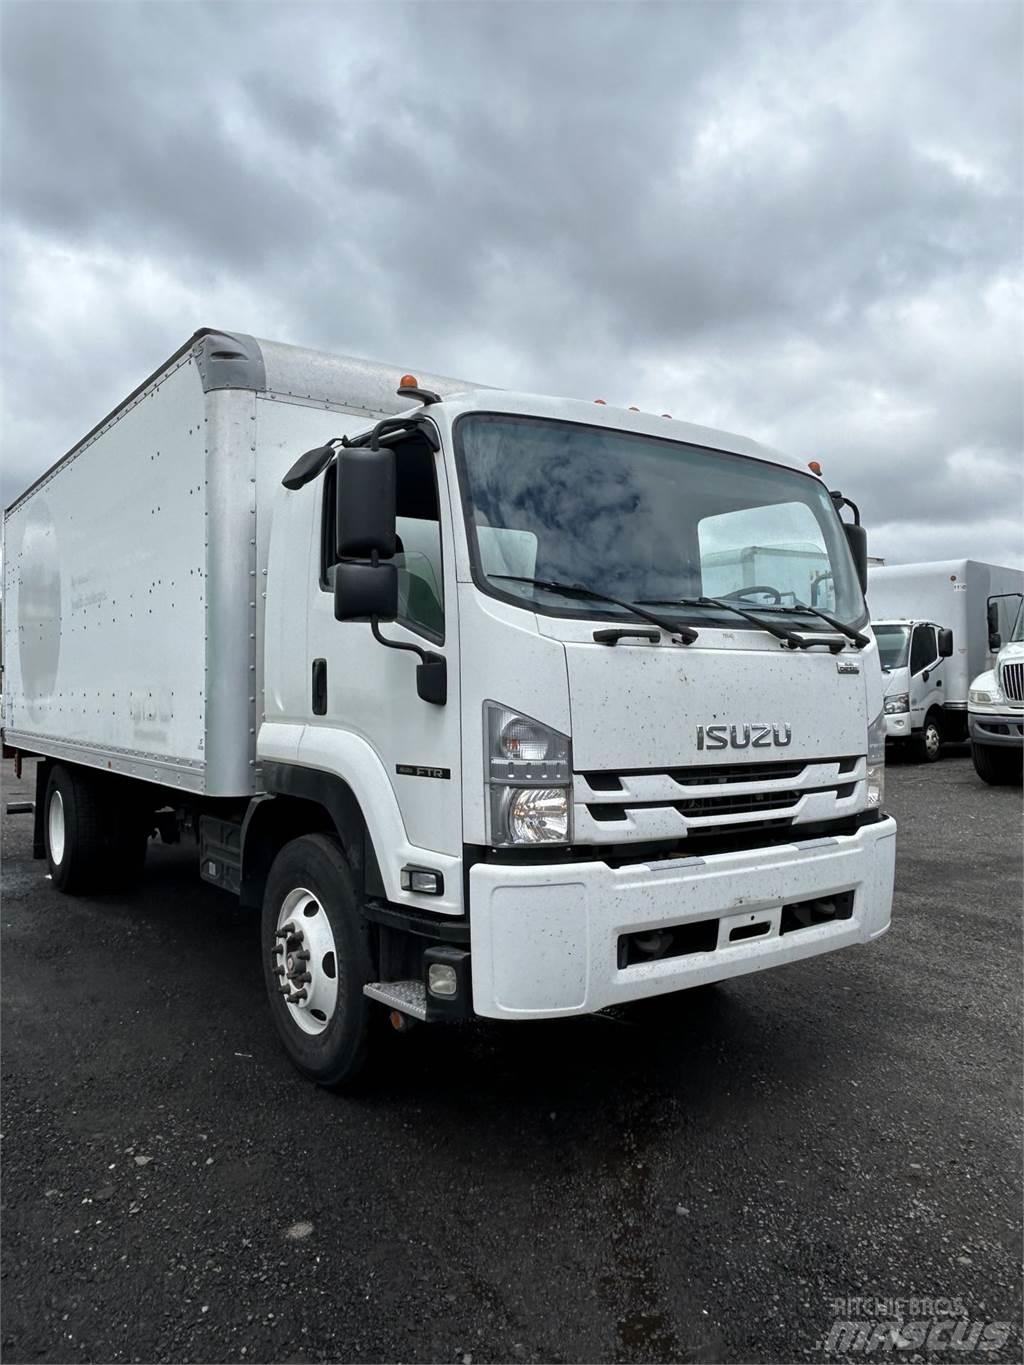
(798, 221)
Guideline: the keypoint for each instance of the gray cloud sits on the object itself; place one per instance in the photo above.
(802, 222)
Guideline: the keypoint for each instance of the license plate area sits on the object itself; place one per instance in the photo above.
(752, 926)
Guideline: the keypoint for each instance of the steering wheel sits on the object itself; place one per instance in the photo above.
(773, 593)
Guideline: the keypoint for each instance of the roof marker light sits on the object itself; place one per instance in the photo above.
(668, 415)
(602, 401)
(408, 381)
(814, 466)
(634, 409)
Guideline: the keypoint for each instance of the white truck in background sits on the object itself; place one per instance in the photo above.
(996, 700)
(434, 681)
(931, 622)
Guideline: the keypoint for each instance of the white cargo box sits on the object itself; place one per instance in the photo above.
(133, 569)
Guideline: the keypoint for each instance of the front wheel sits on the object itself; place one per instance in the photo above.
(927, 745)
(316, 960)
(997, 767)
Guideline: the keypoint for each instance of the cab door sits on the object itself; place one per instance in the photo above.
(359, 686)
(926, 682)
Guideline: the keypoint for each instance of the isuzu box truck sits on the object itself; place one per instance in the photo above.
(434, 679)
(931, 622)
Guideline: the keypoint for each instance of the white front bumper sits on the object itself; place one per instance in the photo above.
(544, 938)
(897, 726)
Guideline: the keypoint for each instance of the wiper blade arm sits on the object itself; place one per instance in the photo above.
(791, 637)
(855, 635)
(685, 633)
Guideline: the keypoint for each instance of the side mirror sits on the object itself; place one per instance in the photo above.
(857, 539)
(364, 591)
(365, 503)
(995, 640)
(945, 644)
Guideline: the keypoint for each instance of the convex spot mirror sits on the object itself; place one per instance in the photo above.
(363, 591)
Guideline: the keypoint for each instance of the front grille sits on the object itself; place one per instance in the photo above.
(650, 804)
(716, 774)
(1013, 681)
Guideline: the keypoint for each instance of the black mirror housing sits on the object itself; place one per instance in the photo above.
(366, 503)
(364, 591)
(945, 644)
(857, 540)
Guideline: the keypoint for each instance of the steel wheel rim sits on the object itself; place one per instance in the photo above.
(304, 948)
(55, 827)
(931, 739)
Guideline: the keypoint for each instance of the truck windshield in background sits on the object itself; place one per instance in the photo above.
(893, 644)
(644, 519)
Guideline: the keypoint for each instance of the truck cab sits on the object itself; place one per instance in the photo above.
(912, 654)
(996, 706)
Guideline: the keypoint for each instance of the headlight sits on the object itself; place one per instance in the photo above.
(528, 779)
(899, 701)
(538, 815)
(876, 762)
(981, 698)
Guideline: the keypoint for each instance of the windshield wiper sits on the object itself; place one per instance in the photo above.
(791, 637)
(851, 634)
(685, 633)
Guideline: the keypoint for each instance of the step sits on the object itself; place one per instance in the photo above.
(409, 997)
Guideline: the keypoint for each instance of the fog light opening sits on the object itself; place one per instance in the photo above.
(442, 980)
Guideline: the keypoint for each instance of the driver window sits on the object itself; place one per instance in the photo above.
(418, 539)
(923, 650)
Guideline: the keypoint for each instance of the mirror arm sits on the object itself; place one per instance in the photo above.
(431, 671)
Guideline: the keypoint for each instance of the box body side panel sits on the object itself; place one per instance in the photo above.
(105, 594)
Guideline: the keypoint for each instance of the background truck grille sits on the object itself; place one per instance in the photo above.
(1013, 681)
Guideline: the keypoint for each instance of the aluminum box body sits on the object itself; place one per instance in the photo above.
(134, 568)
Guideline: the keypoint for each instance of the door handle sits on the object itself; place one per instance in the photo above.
(319, 687)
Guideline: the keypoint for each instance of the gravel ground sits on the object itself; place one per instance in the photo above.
(697, 1182)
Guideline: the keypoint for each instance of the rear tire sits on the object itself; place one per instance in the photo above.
(324, 1020)
(927, 745)
(95, 838)
(997, 767)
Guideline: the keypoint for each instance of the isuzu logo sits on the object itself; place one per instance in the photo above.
(744, 736)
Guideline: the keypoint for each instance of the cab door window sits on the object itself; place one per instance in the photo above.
(923, 650)
(418, 539)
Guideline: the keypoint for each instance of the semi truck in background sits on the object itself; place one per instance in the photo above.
(996, 700)
(932, 625)
(433, 677)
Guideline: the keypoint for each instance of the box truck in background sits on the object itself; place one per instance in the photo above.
(996, 700)
(434, 681)
(931, 624)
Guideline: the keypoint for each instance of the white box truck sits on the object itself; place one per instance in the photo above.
(931, 622)
(433, 680)
(996, 699)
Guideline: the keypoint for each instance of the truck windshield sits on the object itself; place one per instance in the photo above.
(893, 643)
(645, 519)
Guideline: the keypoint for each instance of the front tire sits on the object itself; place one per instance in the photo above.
(927, 745)
(997, 767)
(316, 961)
